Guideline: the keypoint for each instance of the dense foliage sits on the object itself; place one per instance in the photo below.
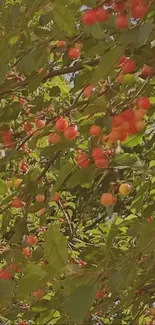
(77, 162)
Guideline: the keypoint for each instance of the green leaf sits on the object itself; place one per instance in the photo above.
(123, 278)
(133, 140)
(144, 32)
(65, 171)
(55, 248)
(124, 159)
(107, 63)
(62, 145)
(83, 297)
(11, 112)
(6, 288)
(33, 279)
(3, 187)
(6, 217)
(64, 18)
(82, 176)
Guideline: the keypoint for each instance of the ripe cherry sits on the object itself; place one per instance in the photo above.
(40, 198)
(40, 124)
(120, 78)
(102, 15)
(38, 294)
(21, 100)
(146, 70)
(107, 199)
(56, 197)
(138, 11)
(128, 115)
(61, 124)
(27, 127)
(128, 66)
(26, 251)
(99, 294)
(89, 17)
(31, 240)
(4, 274)
(53, 138)
(119, 7)
(121, 22)
(138, 114)
(117, 120)
(74, 53)
(101, 163)
(122, 60)
(71, 133)
(83, 160)
(150, 219)
(98, 153)
(17, 203)
(60, 43)
(95, 130)
(144, 103)
(140, 125)
(87, 91)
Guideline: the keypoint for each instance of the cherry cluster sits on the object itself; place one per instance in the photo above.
(136, 8)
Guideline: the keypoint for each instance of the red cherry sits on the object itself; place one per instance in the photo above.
(98, 153)
(102, 15)
(144, 103)
(26, 251)
(71, 133)
(95, 130)
(101, 163)
(120, 78)
(73, 53)
(122, 60)
(22, 323)
(53, 138)
(81, 263)
(117, 120)
(56, 197)
(17, 203)
(119, 7)
(132, 128)
(38, 294)
(87, 91)
(128, 66)
(146, 70)
(99, 294)
(121, 22)
(89, 17)
(138, 11)
(31, 240)
(40, 124)
(27, 127)
(128, 115)
(4, 274)
(21, 100)
(61, 124)
(150, 219)
(60, 43)
(83, 160)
